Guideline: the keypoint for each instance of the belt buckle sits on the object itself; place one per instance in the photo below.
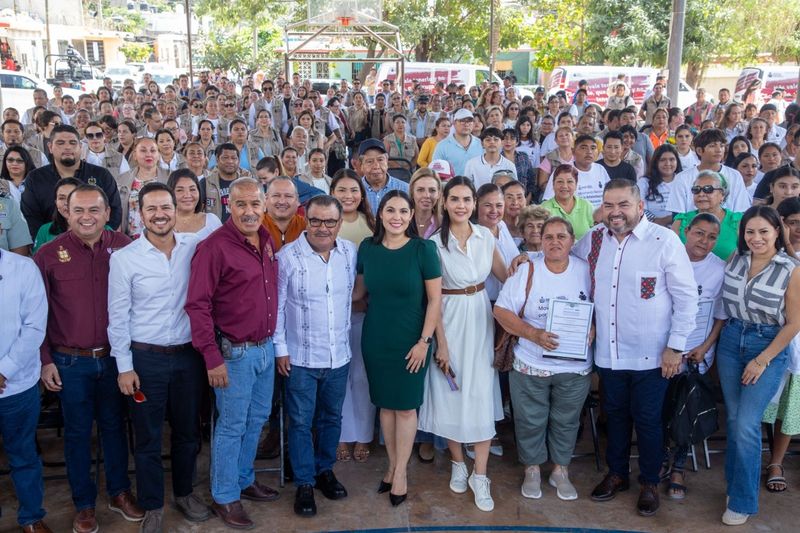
(95, 351)
(472, 289)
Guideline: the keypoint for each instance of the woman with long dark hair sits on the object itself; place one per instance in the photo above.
(190, 216)
(761, 301)
(657, 184)
(17, 163)
(468, 254)
(402, 275)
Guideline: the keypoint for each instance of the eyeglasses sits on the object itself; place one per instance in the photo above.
(706, 189)
(297, 104)
(14, 160)
(197, 106)
(95, 135)
(230, 105)
(317, 222)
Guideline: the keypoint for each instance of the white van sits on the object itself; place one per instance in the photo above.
(16, 90)
(639, 79)
(771, 78)
(428, 74)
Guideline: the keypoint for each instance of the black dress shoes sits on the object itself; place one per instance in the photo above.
(609, 487)
(304, 504)
(330, 486)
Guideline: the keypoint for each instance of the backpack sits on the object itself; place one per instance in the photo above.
(690, 412)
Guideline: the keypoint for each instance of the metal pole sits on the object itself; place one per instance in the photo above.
(675, 52)
(47, 30)
(189, 43)
(491, 39)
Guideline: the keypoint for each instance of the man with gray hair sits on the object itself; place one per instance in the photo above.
(312, 347)
(232, 305)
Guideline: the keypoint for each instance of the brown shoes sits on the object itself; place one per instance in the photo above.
(85, 522)
(36, 527)
(609, 487)
(648, 500)
(260, 493)
(233, 515)
(125, 504)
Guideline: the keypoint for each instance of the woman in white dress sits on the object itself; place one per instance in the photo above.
(189, 216)
(469, 254)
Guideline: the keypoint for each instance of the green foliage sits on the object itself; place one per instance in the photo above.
(121, 19)
(234, 51)
(556, 33)
(136, 52)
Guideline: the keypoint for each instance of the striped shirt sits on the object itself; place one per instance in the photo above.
(761, 299)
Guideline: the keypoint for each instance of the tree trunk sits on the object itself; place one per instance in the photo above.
(694, 73)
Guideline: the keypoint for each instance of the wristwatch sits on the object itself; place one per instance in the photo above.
(675, 351)
(426, 340)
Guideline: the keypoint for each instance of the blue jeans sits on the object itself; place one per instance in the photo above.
(243, 408)
(314, 397)
(634, 398)
(739, 343)
(173, 385)
(89, 392)
(19, 415)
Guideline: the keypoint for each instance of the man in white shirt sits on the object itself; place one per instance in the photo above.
(312, 347)
(151, 342)
(23, 319)
(480, 169)
(776, 134)
(645, 300)
(592, 177)
(710, 148)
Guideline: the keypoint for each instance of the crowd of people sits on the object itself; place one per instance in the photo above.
(358, 251)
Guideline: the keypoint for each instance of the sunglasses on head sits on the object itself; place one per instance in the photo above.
(707, 189)
(95, 135)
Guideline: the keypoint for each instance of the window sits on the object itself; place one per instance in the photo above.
(14, 81)
(7, 81)
(481, 76)
(24, 83)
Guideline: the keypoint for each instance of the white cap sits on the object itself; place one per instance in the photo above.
(461, 114)
(443, 168)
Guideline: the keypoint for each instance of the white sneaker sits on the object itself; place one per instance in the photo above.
(469, 450)
(732, 518)
(564, 488)
(458, 477)
(532, 484)
(480, 486)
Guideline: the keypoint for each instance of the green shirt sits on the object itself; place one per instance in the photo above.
(581, 216)
(728, 232)
(14, 231)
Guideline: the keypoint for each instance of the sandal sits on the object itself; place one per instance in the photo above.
(776, 483)
(676, 491)
(343, 453)
(663, 476)
(361, 452)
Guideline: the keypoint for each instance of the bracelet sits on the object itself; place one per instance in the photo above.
(759, 363)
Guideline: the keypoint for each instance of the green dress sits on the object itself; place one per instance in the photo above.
(395, 282)
(728, 232)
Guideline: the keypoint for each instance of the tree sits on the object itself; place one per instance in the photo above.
(233, 51)
(557, 33)
(136, 52)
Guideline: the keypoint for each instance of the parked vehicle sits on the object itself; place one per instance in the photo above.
(120, 73)
(639, 79)
(161, 73)
(16, 90)
(71, 70)
(770, 78)
(428, 74)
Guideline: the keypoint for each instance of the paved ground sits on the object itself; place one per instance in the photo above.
(431, 503)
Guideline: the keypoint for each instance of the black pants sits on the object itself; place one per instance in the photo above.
(173, 385)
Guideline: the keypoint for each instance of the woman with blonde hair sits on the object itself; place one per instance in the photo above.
(425, 189)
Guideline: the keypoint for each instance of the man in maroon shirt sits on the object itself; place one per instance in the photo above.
(75, 354)
(233, 301)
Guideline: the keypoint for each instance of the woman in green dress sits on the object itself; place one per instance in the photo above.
(53, 229)
(709, 192)
(402, 275)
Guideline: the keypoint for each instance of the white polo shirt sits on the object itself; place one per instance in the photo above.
(481, 171)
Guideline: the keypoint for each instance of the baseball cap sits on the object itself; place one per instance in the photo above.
(423, 99)
(463, 114)
(443, 168)
(539, 90)
(768, 107)
(371, 144)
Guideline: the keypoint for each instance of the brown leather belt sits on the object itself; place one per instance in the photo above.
(468, 291)
(160, 349)
(96, 353)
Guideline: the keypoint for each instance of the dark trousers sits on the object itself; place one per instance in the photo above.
(90, 392)
(173, 385)
(19, 415)
(634, 398)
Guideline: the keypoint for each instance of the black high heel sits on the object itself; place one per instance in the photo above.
(384, 487)
(397, 499)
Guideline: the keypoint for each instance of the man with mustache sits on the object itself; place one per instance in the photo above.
(150, 278)
(645, 298)
(312, 347)
(233, 291)
(38, 199)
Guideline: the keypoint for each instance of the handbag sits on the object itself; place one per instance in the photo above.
(504, 341)
(690, 412)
